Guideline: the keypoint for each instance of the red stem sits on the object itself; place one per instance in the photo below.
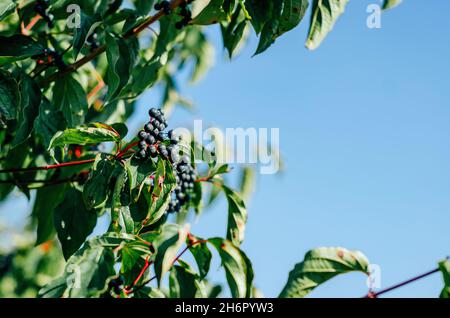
(122, 152)
(128, 290)
(48, 167)
(133, 32)
(204, 179)
(173, 262)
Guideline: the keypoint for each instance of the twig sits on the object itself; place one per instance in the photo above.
(26, 30)
(122, 152)
(48, 167)
(409, 281)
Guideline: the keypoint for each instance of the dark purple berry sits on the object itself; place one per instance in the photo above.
(150, 139)
(148, 127)
(142, 144)
(142, 154)
(142, 135)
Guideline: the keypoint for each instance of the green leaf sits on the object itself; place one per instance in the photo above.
(9, 96)
(144, 77)
(70, 97)
(121, 129)
(49, 122)
(47, 199)
(83, 136)
(159, 199)
(6, 8)
(320, 265)
(185, 283)
(233, 31)
(260, 12)
(87, 271)
(444, 266)
(213, 13)
(134, 256)
(389, 4)
(213, 291)
(17, 157)
(247, 182)
(196, 198)
(166, 37)
(167, 245)
(268, 35)
(284, 16)
(237, 266)
(292, 14)
(139, 173)
(143, 6)
(55, 289)
(324, 15)
(202, 255)
(121, 219)
(121, 55)
(30, 99)
(96, 189)
(81, 33)
(73, 222)
(19, 48)
(149, 292)
(237, 216)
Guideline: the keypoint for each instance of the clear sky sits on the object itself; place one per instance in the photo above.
(364, 128)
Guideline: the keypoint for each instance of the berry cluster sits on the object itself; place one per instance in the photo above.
(163, 5)
(152, 137)
(185, 176)
(153, 140)
(186, 14)
(40, 8)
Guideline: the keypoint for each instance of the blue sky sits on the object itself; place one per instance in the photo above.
(364, 126)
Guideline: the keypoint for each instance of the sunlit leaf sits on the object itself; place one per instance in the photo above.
(319, 266)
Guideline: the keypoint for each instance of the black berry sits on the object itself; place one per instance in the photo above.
(142, 144)
(148, 127)
(150, 139)
(142, 135)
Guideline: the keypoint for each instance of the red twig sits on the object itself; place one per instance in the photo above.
(138, 278)
(373, 294)
(173, 262)
(48, 167)
(204, 179)
(25, 30)
(122, 152)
